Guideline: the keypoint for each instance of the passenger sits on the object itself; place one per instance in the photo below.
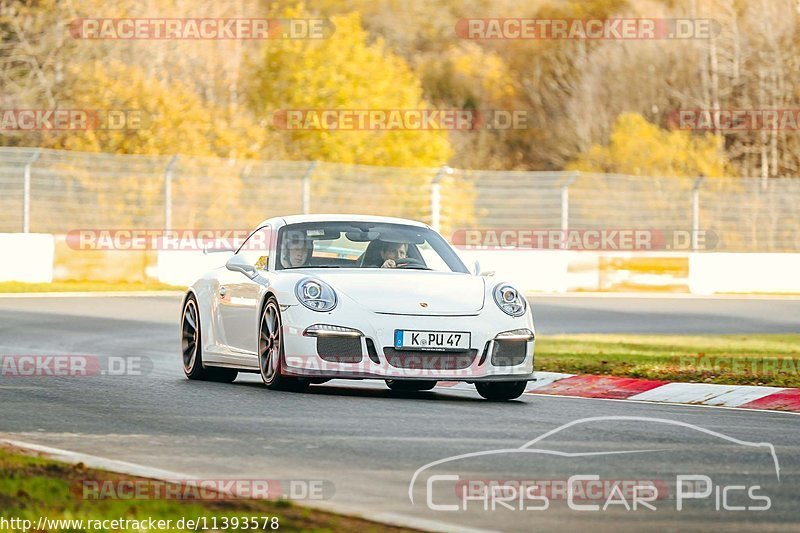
(296, 250)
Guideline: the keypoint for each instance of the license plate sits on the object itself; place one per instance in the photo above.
(431, 340)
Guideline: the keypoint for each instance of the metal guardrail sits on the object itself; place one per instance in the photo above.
(52, 191)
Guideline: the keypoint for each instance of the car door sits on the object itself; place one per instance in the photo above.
(239, 295)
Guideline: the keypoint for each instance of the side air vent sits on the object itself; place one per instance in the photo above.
(372, 352)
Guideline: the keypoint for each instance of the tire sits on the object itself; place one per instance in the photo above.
(192, 348)
(501, 390)
(270, 351)
(410, 385)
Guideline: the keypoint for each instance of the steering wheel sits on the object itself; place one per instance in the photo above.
(409, 262)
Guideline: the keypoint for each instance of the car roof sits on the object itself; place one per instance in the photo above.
(296, 219)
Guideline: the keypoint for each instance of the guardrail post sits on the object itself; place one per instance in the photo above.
(565, 207)
(168, 192)
(696, 213)
(436, 197)
(307, 187)
(26, 192)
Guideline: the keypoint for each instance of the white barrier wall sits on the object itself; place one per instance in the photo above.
(565, 271)
(537, 270)
(26, 257)
(30, 258)
(186, 267)
(708, 273)
(711, 273)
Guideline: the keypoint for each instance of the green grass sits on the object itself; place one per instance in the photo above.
(33, 486)
(729, 359)
(84, 286)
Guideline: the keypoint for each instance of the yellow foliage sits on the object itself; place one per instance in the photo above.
(487, 70)
(173, 118)
(344, 71)
(167, 119)
(639, 148)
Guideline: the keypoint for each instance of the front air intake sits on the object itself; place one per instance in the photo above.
(336, 349)
(427, 360)
(509, 352)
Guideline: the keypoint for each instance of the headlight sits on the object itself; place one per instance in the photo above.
(328, 330)
(523, 334)
(315, 294)
(510, 300)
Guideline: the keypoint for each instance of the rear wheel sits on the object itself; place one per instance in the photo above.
(191, 348)
(270, 351)
(501, 390)
(410, 385)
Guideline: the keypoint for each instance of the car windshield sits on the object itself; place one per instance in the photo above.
(364, 245)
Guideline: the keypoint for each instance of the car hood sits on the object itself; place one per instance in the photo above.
(405, 292)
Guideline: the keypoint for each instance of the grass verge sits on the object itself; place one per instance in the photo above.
(727, 359)
(32, 486)
(85, 286)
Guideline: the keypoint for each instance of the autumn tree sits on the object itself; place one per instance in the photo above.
(639, 148)
(153, 118)
(344, 71)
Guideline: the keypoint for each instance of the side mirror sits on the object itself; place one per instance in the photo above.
(476, 269)
(237, 263)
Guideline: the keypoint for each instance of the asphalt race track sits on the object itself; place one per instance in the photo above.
(368, 441)
(668, 314)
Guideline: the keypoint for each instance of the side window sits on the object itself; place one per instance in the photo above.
(256, 248)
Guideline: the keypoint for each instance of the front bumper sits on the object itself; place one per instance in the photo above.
(379, 360)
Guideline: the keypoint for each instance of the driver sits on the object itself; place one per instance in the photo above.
(391, 252)
(296, 249)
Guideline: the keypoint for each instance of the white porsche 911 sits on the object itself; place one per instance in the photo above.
(308, 298)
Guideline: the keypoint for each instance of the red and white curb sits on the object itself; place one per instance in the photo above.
(648, 390)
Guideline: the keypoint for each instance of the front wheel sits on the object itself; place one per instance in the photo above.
(270, 351)
(501, 390)
(410, 385)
